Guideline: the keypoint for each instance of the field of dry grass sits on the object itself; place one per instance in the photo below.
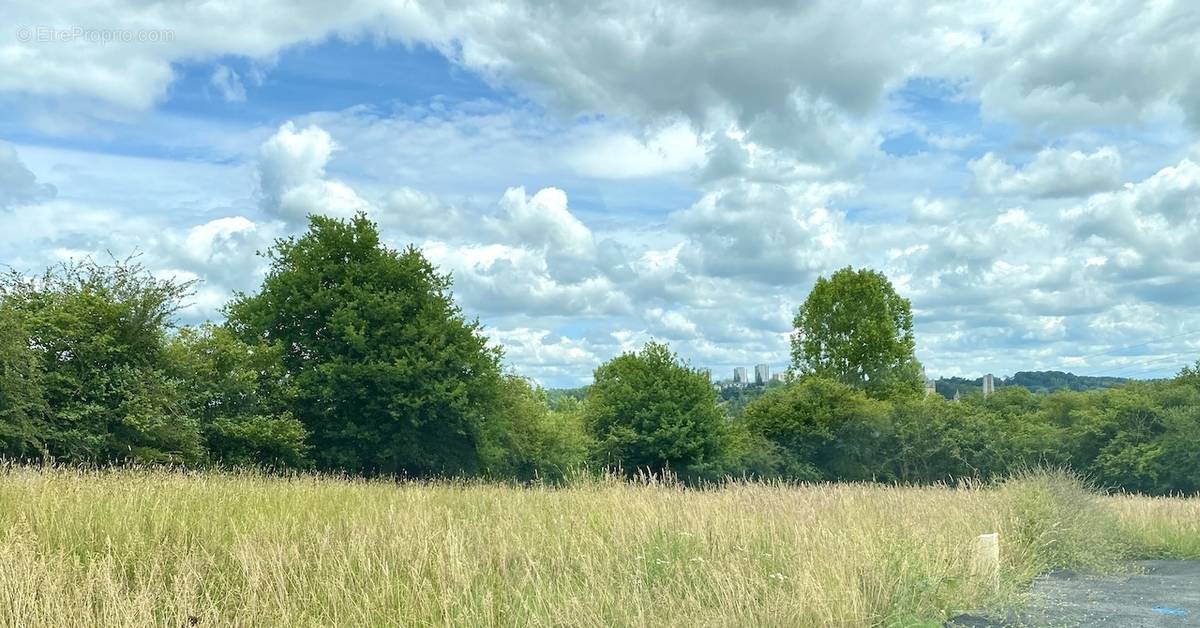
(137, 547)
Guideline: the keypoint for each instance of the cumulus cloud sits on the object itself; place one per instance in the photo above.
(770, 233)
(291, 170)
(543, 355)
(675, 148)
(1143, 236)
(544, 221)
(690, 168)
(1053, 173)
(653, 59)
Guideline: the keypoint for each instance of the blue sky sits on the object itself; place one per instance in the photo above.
(598, 176)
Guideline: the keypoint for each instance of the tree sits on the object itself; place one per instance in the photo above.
(389, 376)
(99, 333)
(241, 396)
(819, 429)
(855, 329)
(22, 407)
(649, 412)
(523, 438)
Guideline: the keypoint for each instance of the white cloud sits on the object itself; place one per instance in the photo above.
(767, 69)
(228, 84)
(690, 167)
(675, 148)
(545, 356)
(291, 169)
(1053, 173)
(771, 233)
(543, 220)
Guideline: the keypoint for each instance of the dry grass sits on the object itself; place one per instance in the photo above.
(1159, 527)
(134, 548)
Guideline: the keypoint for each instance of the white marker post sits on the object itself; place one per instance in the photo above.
(985, 561)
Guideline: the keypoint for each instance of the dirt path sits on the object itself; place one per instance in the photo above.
(1167, 593)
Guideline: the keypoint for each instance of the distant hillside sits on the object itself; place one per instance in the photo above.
(554, 396)
(1035, 381)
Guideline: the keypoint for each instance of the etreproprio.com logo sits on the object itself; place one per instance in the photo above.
(54, 34)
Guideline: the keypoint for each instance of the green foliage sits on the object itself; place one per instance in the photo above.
(565, 396)
(241, 396)
(1038, 382)
(819, 429)
(854, 328)
(99, 334)
(22, 408)
(523, 438)
(1140, 437)
(1054, 521)
(354, 357)
(649, 412)
(1049, 381)
(389, 375)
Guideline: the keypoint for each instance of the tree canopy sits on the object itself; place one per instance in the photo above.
(389, 376)
(854, 328)
(99, 335)
(649, 412)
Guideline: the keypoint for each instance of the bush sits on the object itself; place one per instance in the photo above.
(1055, 520)
(240, 395)
(22, 407)
(819, 429)
(523, 438)
(99, 334)
(650, 413)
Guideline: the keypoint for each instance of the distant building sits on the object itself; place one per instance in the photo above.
(930, 387)
(779, 377)
(707, 373)
(739, 376)
(989, 386)
(762, 374)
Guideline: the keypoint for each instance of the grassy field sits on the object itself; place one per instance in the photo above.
(134, 547)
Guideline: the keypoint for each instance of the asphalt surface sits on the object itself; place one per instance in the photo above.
(1165, 593)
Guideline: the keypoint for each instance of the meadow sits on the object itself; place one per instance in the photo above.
(141, 547)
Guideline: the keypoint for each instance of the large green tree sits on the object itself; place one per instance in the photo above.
(649, 412)
(855, 328)
(389, 376)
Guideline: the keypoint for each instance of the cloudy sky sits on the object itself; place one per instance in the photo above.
(596, 174)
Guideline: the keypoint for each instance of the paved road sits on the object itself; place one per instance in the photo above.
(1166, 594)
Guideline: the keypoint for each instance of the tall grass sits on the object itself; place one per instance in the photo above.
(1159, 527)
(130, 548)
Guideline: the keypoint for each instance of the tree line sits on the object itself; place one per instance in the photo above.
(353, 357)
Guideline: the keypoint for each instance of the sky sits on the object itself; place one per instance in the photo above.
(596, 175)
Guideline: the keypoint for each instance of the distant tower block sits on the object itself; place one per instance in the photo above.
(739, 375)
(989, 386)
(762, 374)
